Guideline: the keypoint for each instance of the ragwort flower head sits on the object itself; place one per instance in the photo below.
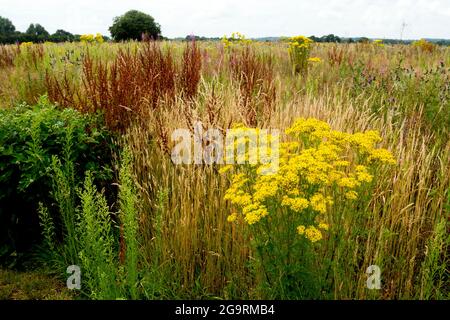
(317, 167)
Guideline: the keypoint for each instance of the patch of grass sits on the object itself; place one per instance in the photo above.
(32, 286)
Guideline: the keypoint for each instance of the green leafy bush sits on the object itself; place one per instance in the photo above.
(30, 138)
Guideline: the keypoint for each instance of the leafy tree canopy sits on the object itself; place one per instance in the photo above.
(62, 35)
(6, 26)
(133, 25)
(37, 30)
(328, 38)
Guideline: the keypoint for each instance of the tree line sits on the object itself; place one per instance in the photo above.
(133, 25)
(331, 38)
(34, 33)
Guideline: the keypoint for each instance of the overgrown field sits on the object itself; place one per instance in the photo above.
(87, 179)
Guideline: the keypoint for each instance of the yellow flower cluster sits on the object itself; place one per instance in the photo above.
(90, 38)
(424, 45)
(297, 204)
(232, 217)
(311, 233)
(236, 38)
(300, 42)
(299, 48)
(318, 165)
(309, 126)
(26, 44)
(319, 202)
(378, 43)
(236, 194)
(254, 212)
(314, 59)
(324, 226)
(248, 145)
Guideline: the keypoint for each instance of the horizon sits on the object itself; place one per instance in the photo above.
(315, 35)
(398, 19)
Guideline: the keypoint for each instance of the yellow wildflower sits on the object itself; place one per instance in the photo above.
(382, 155)
(26, 44)
(351, 195)
(238, 198)
(299, 48)
(313, 234)
(378, 43)
(324, 226)
(363, 175)
(319, 202)
(309, 125)
(264, 190)
(99, 38)
(365, 141)
(314, 59)
(236, 38)
(424, 45)
(232, 217)
(301, 230)
(348, 182)
(310, 168)
(90, 38)
(225, 169)
(296, 204)
(254, 213)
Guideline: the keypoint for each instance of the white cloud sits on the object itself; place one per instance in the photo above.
(371, 18)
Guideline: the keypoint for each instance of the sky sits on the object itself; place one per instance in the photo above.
(254, 18)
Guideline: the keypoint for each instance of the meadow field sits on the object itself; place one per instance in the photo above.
(87, 177)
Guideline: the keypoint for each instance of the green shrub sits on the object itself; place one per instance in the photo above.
(30, 136)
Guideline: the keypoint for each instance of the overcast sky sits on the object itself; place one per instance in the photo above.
(254, 18)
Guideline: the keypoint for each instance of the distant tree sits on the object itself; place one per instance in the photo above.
(37, 30)
(328, 38)
(62, 36)
(6, 26)
(133, 25)
(363, 40)
(192, 37)
(331, 38)
(37, 33)
(443, 42)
